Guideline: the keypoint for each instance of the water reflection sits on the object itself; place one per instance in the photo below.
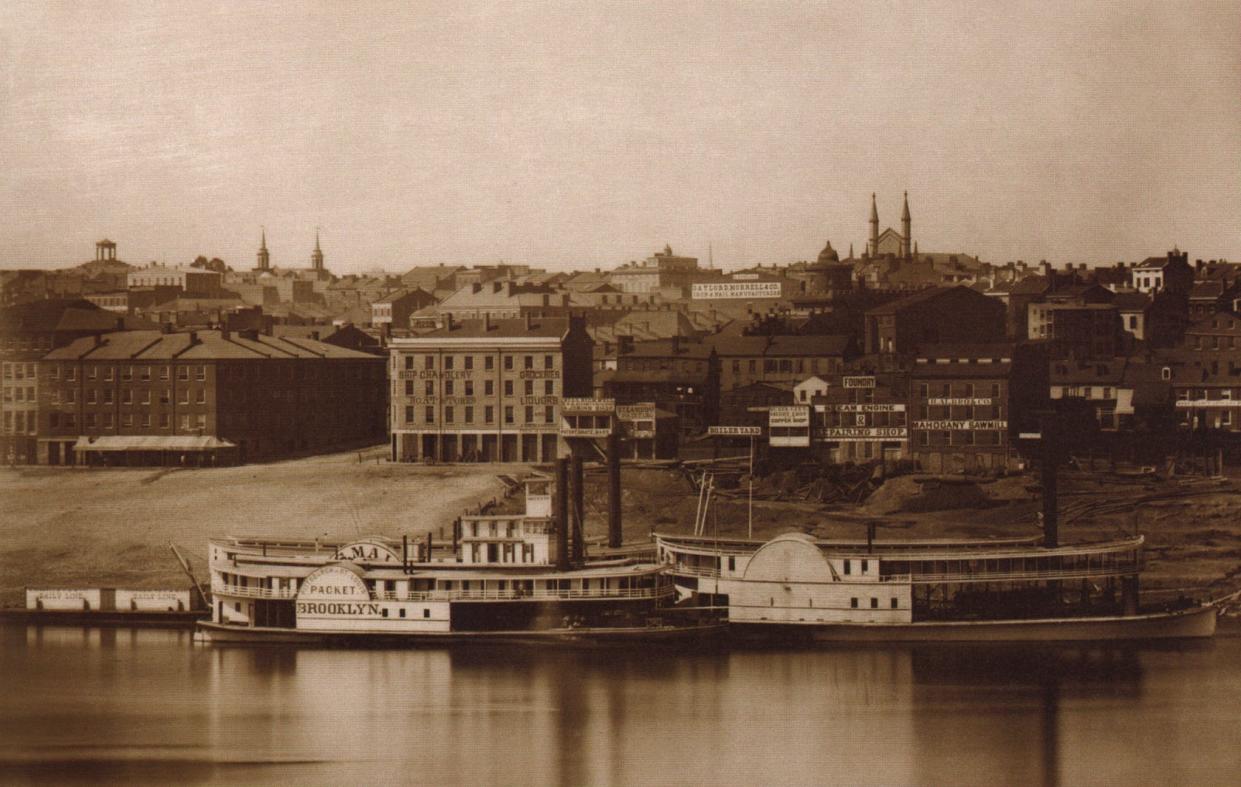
(150, 706)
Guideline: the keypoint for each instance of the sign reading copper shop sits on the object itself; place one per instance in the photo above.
(789, 427)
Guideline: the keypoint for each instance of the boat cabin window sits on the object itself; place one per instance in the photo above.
(403, 611)
(426, 613)
(732, 563)
(893, 603)
(848, 565)
(384, 611)
(852, 601)
(874, 603)
(865, 566)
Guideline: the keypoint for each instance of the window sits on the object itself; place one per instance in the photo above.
(127, 396)
(469, 361)
(853, 602)
(164, 420)
(426, 613)
(409, 414)
(127, 419)
(469, 414)
(428, 362)
(529, 414)
(874, 603)
(547, 361)
(508, 362)
(90, 420)
(146, 420)
(489, 362)
(448, 414)
(185, 422)
(848, 567)
(508, 387)
(409, 387)
(865, 566)
(549, 387)
(448, 361)
(488, 386)
(108, 421)
(183, 372)
(469, 386)
(409, 362)
(109, 373)
(528, 362)
(429, 388)
(529, 387)
(489, 414)
(448, 388)
(894, 604)
(508, 414)
(430, 415)
(549, 414)
(200, 396)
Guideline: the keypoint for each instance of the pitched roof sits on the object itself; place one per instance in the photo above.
(541, 327)
(198, 345)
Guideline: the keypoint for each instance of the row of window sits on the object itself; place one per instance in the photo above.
(127, 420)
(983, 437)
(467, 361)
(143, 396)
(18, 371)
(109, 373)
(450, 415)
(787, 365)
(962, 391)
(874, 603)
(467, 388)
(20, 393)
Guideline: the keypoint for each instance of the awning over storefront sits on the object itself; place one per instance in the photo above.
(152, 443)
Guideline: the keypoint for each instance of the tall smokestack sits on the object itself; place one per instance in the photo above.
(614, 491)
(1051, 522)
(562, 513)
(579, 509)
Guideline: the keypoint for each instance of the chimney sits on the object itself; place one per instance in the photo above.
(486, 322)
(676, 345)
(120, 323)
(529, 321)
(315, 334)
(476, 287)
(624, 344)
(98, 340)
(193, 337)
(448, 321)
(225, 334)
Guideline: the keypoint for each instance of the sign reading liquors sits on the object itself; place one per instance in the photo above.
(736, 290)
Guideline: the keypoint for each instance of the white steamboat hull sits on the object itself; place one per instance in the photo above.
(1195, 622)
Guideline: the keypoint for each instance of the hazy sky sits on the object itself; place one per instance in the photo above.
(589, 134)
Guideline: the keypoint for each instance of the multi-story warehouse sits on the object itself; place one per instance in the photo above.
(778, 359)
(148, 397)
(486, 390)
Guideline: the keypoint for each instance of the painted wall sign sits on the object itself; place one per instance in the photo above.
(788, 416)
(858, 382)
(576, 404)
(959, 425)
(643, 411)
(942, 401)
(1208, 403)
(736, 290)
(735, 431)
(334, 583)
(369, 551)
(845, 433)
(868, 408)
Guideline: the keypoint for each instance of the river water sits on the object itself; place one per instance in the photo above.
(149, 706)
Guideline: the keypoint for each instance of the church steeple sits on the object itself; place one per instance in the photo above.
(906, 227)
(873, 247)
(264, 258)
(316, 257)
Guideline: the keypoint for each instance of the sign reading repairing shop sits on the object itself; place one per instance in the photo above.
(735, 290)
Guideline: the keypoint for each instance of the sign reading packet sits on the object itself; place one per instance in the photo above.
(736, 290)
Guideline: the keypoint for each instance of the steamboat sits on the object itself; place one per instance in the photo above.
(505, 576)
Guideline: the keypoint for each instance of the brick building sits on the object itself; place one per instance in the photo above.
(148, 397)
(934, 316)
(680, 376)
(961, 400)
(486, 390)
(778, 359)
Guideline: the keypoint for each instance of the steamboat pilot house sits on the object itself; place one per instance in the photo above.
(503, 572)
